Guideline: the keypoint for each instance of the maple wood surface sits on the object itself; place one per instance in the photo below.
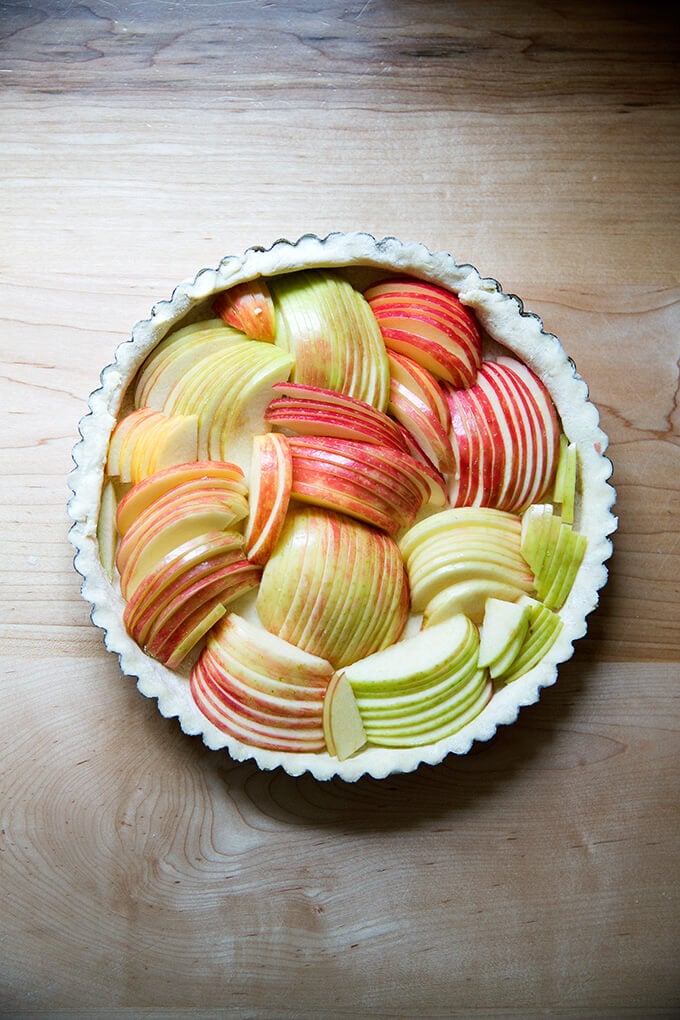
(141, 141)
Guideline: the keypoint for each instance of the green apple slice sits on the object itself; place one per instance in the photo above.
(503, 633)
(544, 629)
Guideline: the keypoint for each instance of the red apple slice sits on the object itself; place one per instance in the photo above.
(271, 476)
(248, 307)
(146, 492)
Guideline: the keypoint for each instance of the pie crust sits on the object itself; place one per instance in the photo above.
(362, 258)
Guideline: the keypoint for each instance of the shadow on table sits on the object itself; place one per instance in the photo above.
(402, 802)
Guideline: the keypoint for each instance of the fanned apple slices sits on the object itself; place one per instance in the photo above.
(354, 460)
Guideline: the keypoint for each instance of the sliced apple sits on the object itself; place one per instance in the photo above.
(236, 682)
(329, 329)
(271, 477)
(564, 492)
(311, 410)
(421, 383)
(107, 536)
(429, 325)
(342, 725)
(146, 492)
(249, 307)
(554, 551)
(424, 424)
(544, 629)
(421, 689)
(333, 567)
(175, 354)
(503, 633)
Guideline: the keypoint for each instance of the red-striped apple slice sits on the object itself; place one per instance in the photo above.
(422, 383)
(146, 492)
(248, 307)
(271, 477)
(424, 425)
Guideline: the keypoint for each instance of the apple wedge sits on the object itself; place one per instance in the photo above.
(271, 478)
(342, 725)
(320, 587)
(502, 634)
(146, 492)
(248, 307)
(328, 328)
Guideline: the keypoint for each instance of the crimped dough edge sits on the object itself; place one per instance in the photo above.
(504, 318)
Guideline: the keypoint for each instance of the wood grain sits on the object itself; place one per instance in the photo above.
(141, 141)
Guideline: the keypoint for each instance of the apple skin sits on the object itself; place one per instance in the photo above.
(505, 433)
(429, 324)
(146, 492)
(421, 689)
(332, 335)
(312, 410)
(236, 684)
(271, 480)
(333, 586)
(249, 308)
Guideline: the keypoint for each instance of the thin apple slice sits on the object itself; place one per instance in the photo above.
(167, 525)
(468, 597)
(503, 633)
(421, 383)
(391, 687)
(332, 334)
(210, 699)
(564, 492)
(146, 492)
(271, 477)
(119, 438)
(544, 629)
(352, 550)
(191, 613)
(424, 425)
(107, 536)
(176, 572)
(249, 307)
(342, 725)
(179, 352)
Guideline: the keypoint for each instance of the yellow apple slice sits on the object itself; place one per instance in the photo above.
(146, 492)
(342, 725)
(107, 536)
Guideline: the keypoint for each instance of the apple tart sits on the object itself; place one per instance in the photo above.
(341, 506)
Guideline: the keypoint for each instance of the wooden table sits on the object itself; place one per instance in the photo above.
(141, 141)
